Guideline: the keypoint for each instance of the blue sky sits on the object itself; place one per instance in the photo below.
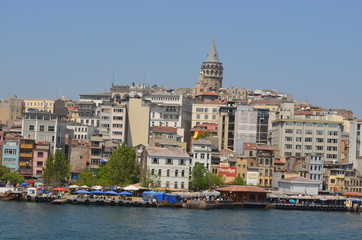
(311, 49)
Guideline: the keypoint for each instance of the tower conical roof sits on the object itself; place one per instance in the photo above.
(212, 56)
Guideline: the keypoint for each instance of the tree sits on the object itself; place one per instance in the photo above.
(150, 181)
(57, 169)
(86, 177)
(215, 180)
(199, 177)
(3, 170)
(13, 177)
(239, 181)
(122, 167)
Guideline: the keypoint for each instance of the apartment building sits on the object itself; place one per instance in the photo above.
(10, 110)
(355, 147)
(241, 124)
(201, 152)
(26, 155)
(205, 112)
(10, 154)
(301, 137)
(171, 111)
(45, 127)
(171, 165)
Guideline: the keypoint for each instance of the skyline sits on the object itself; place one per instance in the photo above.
(311, 50)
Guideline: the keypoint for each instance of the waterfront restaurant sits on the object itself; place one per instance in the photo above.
(243, 194)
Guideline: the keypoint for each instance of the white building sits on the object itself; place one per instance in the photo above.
(301, 137)
(201, 151)
(205, 112)
(316, 169)
(355, 147)
(171, 111)
(80, 132)
(171, 164)
(298, 185)
(45, 127)
(113, 122)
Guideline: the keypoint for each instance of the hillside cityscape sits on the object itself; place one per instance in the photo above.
(264, 137)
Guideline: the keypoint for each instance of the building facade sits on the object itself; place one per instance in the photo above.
(300, 137)
(10, 155)
(45, 127)
(171, 165)
(10, 110)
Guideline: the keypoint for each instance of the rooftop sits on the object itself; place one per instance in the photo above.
(167, 152)
(235, 188)
(164, 129)
(298, 179)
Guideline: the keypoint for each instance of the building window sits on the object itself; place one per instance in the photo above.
(41, 128)
(176, 173)
(308, 132)
(159, 172)
(320, 132)
(182, 162)
(175, 185)
(40, 154)
(183, 173)
(168, 173)
(31, 128)
(153, 172)
(154, 160)
(182, 185)
(51, 128)
(117, 118)
(169, 161)
(39, 164)
(9, 161)
(167, 184)
(10, 152)
(288, 130)
(308, 147)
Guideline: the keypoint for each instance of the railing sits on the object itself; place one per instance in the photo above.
(256, 202)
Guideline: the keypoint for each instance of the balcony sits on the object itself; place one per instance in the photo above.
(28, 155)
(26, 146)
(25, 164)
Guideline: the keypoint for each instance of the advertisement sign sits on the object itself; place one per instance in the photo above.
(252, 178)
(229, 173)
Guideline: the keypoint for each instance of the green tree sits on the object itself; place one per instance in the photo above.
(150, 181)
(199, 177)
(239, 181)
(13, 177)
(57, 169)
(121, 169)
(215, 180)
(3, 170)
(86, 177)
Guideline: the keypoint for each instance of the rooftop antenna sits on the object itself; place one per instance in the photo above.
(113, 79)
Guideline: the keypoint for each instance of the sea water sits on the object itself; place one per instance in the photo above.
(30, 220)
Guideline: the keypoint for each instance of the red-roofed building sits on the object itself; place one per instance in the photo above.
(248, 195)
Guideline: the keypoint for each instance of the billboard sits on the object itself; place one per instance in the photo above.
(252, 178)
(229, 173)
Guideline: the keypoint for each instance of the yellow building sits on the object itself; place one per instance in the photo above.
(46, 105)
(205, 112)
(138, 122)
(10, 110)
